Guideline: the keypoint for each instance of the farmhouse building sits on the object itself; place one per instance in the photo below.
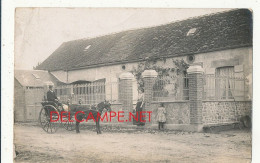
(214, 41)
(218, 45)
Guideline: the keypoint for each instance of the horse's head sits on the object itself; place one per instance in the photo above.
(104, 105)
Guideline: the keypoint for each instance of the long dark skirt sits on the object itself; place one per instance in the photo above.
(138, 109)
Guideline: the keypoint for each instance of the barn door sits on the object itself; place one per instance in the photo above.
(33, 98)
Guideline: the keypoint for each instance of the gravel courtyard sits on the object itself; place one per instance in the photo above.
(121, 145)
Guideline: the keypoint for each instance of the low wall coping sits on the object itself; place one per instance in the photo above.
(150, 73)
(195, 69)
(226, 101)
(181, 101)
(126, 76)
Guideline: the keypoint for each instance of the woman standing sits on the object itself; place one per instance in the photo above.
(139, 107)
(161, 116)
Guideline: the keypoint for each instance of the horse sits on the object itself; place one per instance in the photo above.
(96, 111)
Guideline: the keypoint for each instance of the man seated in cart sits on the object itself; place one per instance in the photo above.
(51, 96)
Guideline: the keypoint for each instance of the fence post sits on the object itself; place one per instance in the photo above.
(126, 94)
(195, 75)
(149, 80)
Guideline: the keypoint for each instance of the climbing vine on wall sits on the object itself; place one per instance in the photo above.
(177, 68)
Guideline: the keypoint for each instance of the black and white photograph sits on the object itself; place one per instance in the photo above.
(132, 85)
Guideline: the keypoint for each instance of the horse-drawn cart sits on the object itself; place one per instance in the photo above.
(51, 122)
(50, 115)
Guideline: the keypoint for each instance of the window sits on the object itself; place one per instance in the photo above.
(191, 31)
(225, 83)
(36, 76)
(190, 58)
(87, 47)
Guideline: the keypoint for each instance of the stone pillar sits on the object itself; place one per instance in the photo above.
(126, 94)
(195, 75)
(149, 80)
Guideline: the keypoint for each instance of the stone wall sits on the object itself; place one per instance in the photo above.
(225, 111)
(177, 112)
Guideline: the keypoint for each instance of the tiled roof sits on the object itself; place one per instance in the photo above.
(231, 29)
(34, 78)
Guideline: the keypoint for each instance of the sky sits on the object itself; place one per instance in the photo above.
(40, 31)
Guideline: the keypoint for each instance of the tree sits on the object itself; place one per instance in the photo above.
(165, 74)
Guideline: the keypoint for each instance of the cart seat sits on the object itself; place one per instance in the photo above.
(48, 103)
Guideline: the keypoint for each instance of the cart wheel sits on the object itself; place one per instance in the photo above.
(49, 124)
(69, 125)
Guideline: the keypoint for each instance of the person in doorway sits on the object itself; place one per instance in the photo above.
(139, 108)
(161, 116)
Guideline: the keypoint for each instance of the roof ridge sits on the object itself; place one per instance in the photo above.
(29, 70)
(152, 26)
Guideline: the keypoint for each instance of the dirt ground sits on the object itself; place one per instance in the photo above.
(122, 145)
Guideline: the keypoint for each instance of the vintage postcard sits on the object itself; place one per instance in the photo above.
(133, 85)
